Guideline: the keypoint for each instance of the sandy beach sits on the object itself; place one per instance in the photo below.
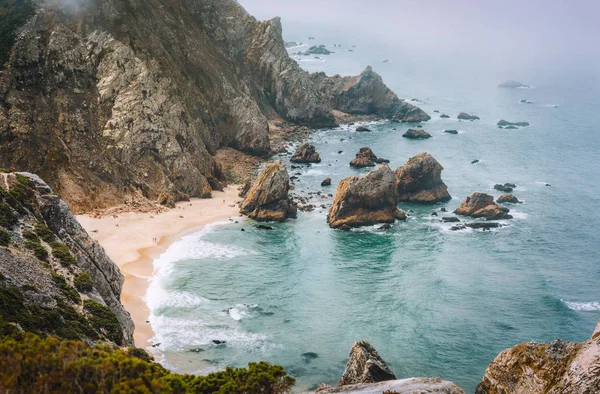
(134, 240)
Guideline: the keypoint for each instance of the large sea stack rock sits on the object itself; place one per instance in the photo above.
(366, 201)
(306, 153)
(365, 366)
(268, 200)
(545, 368)
(366, 94)
(57, 276)
(420, 180)
(482, 205)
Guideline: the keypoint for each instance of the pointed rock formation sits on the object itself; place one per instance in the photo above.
(365, 366)
(267, 199)
(366, 201)
(541, 368)
(482, 205)
(420, 180)
(366, 158)
(507, 198)
(306, 153)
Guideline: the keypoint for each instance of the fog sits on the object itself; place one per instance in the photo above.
(503, 36)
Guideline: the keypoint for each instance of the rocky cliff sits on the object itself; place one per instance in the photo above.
(110, 100)
(555, 367)
(54, 279)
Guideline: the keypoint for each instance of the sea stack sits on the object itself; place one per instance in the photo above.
(482, 205)
(365, 366)
(366, 201)
(267, 199)
(306, 153)
(420, 180)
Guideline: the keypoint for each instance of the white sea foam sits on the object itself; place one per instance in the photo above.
(519, 215)
(582, 306)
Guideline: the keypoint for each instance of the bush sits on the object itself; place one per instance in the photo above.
(104, 319)
(4, 237)
(44, 232)
(13, 13)
(33, 364)
(69, 292)
(61, 252)
(38, 250)
(7, 218)
(83, 282)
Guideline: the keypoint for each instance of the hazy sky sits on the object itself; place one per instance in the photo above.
(521, 31)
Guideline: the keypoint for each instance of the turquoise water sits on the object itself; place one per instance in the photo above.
(432, 301)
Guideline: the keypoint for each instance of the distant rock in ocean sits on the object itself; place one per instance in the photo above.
(504, 123)
(507, 187)
(267, 199)
(420, 180)
(466, 116)
(316, 50)
(362, 128)
(507, 198)
(306, 153)
(291, 44)
(451, 131)
(482, 205)
(513, 85)
(366, 201)
(416, 134)
(444, 116)
(524, 101)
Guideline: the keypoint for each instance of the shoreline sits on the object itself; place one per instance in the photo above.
(134, 240)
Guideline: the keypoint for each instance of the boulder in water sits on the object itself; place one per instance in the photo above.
(444, 116)
(365, 158)
(508, 198)
(451, 131)
(507, 187)
(420, 180)
(482, 205)
(362, 128)
(306, 153)
(466, 116)
(366, 201)
(416, 134)
(267, 199)
(365, 366)
(326, 182)
(503, 122)
(513, 85)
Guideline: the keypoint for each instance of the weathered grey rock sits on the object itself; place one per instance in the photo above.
(503, 123)
(548, 368)
(306, 153)
(366, 201)
(365, 366)
(416, 134)
(267, 199)
(466, 116)
(420, 180)
(401, 386)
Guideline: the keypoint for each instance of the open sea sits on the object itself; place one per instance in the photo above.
(433, 302)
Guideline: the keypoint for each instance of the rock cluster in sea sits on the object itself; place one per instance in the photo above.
(306, 153)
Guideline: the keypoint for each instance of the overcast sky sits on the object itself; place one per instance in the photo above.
(532, 31)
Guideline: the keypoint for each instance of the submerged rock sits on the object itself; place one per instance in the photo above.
(466, 116)
(366, 201)
(420, 180)
(482, 205)
(541, 368)
(362, 128)
(482, 225)
(503, 122)
(416, 134)
(444, 116)
(306, 153)
(451, 131)
(317, 50)
(508, 198)
(513, 85)
(267, 199)
(365, 366)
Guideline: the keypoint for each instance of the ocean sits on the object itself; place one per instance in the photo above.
(432, 301)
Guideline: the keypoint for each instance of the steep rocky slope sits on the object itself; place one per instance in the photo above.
(54, 279)
(110, 100)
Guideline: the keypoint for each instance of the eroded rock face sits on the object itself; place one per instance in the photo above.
(420, 180)
(553, 368)
(366, 201)
(268, 200)
(365, 366)
(482, 205)
(306, 153)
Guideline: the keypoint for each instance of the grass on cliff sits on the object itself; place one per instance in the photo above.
(13, 14)
(83, 282)
(47, 365)
(5, 237)
(104, 319)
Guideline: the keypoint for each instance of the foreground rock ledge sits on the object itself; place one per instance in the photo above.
(366, 201)
(400, 386)
(268, 200)
(536, 368)
(365, 366)
(420, 180)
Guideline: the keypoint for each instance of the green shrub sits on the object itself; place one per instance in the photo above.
(38, 250)
(61, 252)
(104, 319)
(44, 232)
(7, 218)
(83, 282)
(33, 364)
(13, 13)
(31, 236)
(4, 237)
(69, 292)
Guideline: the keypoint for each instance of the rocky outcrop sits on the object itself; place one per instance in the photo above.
(267, 199)
(316, 50)
(400, 386)
(416, 134)
(365, 366)
(507, 187)
(56, 267)
(306, 153)
(507, 198)
(366, 94)
(366, 201)
(505, 123)
(482, 205)
(326, 182)
(549, 368)
(366, 158)
(420, 180)
(451, 131)
(466, 116)
(362, 128)
(105, 111)
(513, 85)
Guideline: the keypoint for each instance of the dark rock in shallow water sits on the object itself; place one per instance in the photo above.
(507, 187)
(526, 101)
(466, 116)
(365, 366)
(442, 209)
(451, 131)
(362, 128)
(436, 111)
(386, 226)
(434, 213)
(309, 356)
(364, 158)
(326, 182)
(263, 227)
(242, 230)
(508, 198)
(317, 50)
(218, 342)
(475, 161)
(503, 122)
(450, 219)
(483, 225)
(510, 127)
(444, 116)
(306, 153)
(513, 85)
(458, 227)
(416, 134)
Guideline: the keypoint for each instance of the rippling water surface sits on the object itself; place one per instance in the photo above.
(432, 301)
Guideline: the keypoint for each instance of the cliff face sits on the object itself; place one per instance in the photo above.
(136, 97)
(54, 279)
